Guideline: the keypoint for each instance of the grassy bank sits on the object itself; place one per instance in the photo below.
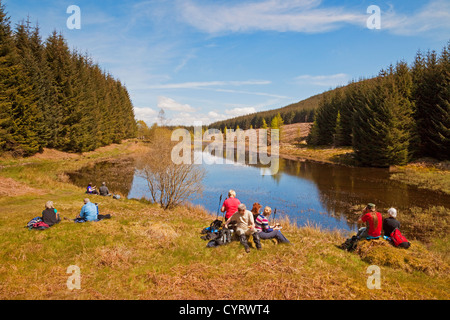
(425, 173)
(144, 252)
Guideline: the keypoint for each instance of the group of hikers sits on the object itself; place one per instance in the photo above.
(245, 223)
(254, 223)
(376, 225)
(248, 223)
(89, 211)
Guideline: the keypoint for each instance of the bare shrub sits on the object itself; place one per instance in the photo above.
(170, 184)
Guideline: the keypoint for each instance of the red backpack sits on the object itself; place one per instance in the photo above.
(398, 239)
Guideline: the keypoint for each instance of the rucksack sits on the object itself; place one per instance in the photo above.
(33, 221)
(213, 227)
(350, 244)
(398, 239)
(41, 225)
(223, 236)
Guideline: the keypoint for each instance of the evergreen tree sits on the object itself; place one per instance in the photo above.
(431, 96)
(382, 125)
(338, 132)
(264, 124)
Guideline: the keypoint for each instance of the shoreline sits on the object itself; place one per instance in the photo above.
(143, 252)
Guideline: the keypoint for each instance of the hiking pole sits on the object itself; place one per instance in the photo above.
(218, 209)
(274, 213)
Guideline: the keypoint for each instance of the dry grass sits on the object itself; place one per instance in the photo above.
(144, 252)
(12, 188)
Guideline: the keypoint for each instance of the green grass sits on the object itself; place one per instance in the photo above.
(426, 178)
(144, 252)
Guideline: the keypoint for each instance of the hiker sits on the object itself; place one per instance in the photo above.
(391, 229)
(230, 205)
(256, 210)
(50, 215)
(88, 212)
(104, 190)
(390, 223)
(91, 189)
(245, 226)
(374, 223)
(267, 232)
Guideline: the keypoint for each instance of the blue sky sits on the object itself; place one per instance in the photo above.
(205, 60)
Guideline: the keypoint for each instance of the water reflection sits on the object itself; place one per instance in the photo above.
(306, 192)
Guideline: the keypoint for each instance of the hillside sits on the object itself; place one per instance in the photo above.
(143, 252)
(299, 112)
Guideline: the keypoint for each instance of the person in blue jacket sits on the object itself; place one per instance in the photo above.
(89, 211)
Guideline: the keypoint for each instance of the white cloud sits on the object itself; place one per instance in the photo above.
(432, 19)
(170, 104)
(197, 85)
(268, 15)
(148, 115)
(252, 93)
(324, 80)
(240, 111)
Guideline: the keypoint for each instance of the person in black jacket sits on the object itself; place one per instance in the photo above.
(50, 215)
(390, 223)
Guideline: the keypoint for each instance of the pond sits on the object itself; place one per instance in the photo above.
(305, 192)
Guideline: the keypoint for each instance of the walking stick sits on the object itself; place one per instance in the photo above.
(220, 201)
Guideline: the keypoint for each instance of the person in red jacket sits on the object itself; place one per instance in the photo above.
(230, 205)
(373, 220)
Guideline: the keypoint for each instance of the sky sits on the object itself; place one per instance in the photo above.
(209, 60)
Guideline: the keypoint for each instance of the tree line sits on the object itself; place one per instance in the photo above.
(401, 114)
(53, 97)
(295, 113)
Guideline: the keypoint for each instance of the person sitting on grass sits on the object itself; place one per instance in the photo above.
(50, 215)
(230, 204)
(256, 210)
(374, 223)
(266, 231)
(104, 190)
(89, 211)
(91, 189)
(390, 223)
(245, 226)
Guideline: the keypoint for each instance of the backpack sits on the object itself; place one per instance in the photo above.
(350, 244)
(41, 225)
(213, 227)
(222, 237)
(399, 240)
(33, 221)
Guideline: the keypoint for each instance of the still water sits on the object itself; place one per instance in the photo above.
(306, 192)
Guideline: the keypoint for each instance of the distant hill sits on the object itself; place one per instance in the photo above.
(299, 112)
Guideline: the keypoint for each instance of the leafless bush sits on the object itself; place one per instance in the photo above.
(170, 184)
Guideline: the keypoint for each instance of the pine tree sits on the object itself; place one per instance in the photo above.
(264, 124)
(338, 132)
(18, 110)
(382, 124)
(431, 96)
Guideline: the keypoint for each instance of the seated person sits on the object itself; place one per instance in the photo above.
(390, 223)
(245, 226)
(50, 215)
(266, 231)
(230, 205)
(256, 210)
(91, 189)
(374, 223)
(89, 211)
(104, 190)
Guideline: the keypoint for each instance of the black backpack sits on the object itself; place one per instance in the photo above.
(213, 227)
(350, 244)
(223, 236)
